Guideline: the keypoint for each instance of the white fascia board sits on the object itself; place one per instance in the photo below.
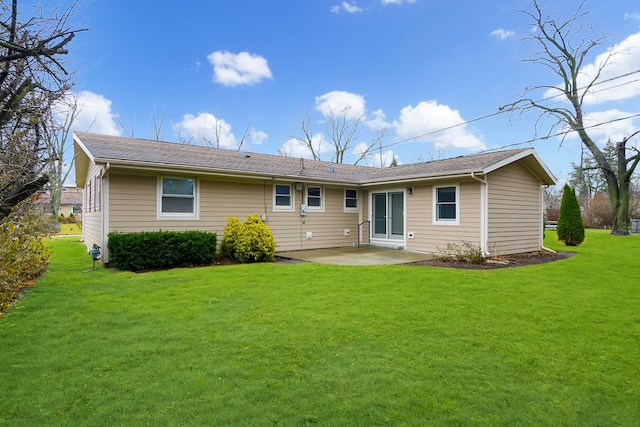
(519, 156)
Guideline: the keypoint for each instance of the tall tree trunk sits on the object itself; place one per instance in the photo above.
(621, 220)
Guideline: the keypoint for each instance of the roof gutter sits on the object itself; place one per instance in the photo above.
(217, 172)
(414, 178)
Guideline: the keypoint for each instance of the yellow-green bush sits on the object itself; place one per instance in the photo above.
(23, 255)
(248, 241)
(231, 232)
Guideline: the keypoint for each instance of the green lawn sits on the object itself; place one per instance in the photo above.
(273, 344)
(66, 229)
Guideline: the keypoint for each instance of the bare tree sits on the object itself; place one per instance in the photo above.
(343, 129)
(32, 77)
(564, 46)
(246, 134)
(157, 126)
(59, 133)
(306, 136)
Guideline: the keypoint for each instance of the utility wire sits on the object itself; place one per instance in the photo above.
(565, 132)
(503, 110)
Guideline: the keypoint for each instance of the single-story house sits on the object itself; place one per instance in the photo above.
(70, 200)
(492, 200)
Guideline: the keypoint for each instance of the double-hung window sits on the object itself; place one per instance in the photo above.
(314, 198)
(446, 205)
(177, 198)
(350, 200)
(283, 197)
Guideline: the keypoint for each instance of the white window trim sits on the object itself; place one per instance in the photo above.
(292, 194)
(437, 221)
(306, 199)
(358, 203)
(195, 216)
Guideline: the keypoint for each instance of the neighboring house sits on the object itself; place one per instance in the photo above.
(70, 201)
(492, 200)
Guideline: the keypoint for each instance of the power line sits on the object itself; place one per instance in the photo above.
(503, 110)
(565, 132)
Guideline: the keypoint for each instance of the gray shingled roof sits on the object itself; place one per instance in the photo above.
(153, 154)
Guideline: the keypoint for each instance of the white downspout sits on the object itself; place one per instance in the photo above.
(484, 213)
(104, 203)
(542, 222)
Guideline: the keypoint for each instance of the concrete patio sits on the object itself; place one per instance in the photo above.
(364, 255)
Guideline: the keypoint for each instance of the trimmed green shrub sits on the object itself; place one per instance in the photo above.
(231, 232)
(23, 255)
(161, 249)
(255, 242)
(248, 241)
(570, 224)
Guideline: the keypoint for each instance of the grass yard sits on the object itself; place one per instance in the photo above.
(273, 344)
(67, 229)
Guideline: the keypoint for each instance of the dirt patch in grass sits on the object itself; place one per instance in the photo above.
(507, 261)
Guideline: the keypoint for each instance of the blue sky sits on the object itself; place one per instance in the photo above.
(412, 67)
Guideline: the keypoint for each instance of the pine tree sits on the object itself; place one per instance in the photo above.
(570, 225)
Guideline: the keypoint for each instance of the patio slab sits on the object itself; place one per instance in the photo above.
(365, 255)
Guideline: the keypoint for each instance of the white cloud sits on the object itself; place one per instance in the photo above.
(615, 126)
(379, 121)
(93, 113)
(376, 157)
(618, 60)
(296, 148)
(387, 2)
(244, 68)
(502, 34)
(347, 7)
(626, 58)
(202, 128)
(339, 103)
(632, 16)
(425, 122)
(257, 137)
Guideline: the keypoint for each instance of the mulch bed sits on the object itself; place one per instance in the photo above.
(507, 261)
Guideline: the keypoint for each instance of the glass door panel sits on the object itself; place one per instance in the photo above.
(396, 220)
(379, 210)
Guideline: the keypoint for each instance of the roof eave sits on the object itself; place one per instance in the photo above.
(82, 158)
(162, 167)
(541, 170)
(418, 178)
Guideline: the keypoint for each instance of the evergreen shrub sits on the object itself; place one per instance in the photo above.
(231, 233)
(570, 224)
(248, 241)
(161, 249)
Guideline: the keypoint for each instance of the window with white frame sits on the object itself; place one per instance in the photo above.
(177, 198)
(89, 195)
(283, 197)
(350, 200)
(446, 205)
(98, 191)
(314, 198)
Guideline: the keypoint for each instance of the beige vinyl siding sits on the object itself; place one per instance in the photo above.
(429, 237)
(327, 228)
(91, 221)
(515, 214)
(133, 208)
